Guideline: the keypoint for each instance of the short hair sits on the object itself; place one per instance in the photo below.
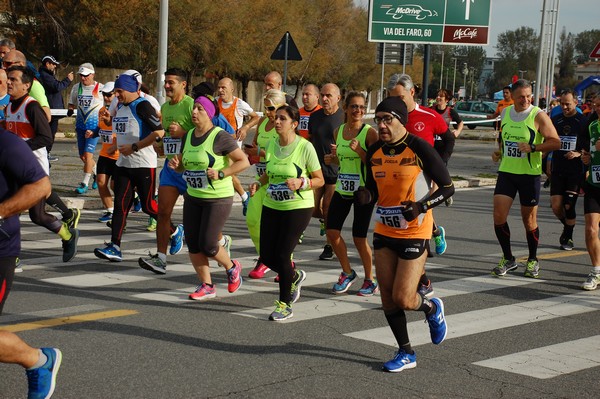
(276, 97)
(401, 79)
(8, 43)
(446, 93)
(180, 73)
(352, 95)
(521, 84)
(313, 86)
(27, 74)
(507, 87)
(569, 91)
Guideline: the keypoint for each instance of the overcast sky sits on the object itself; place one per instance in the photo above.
(575, 15)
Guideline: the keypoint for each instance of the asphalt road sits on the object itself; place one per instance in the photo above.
(126, 333)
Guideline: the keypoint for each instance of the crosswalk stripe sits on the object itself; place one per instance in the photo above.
(338, 305)
(470, 323)
(550, 361)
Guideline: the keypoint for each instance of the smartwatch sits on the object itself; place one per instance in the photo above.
(135, 147)
(532, 147)
(221, 175)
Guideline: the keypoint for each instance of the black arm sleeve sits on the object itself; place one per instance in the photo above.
(148, 115)
(434, 167)
(448, 139)
(583, 139)
(455, 116)
(41, 127)
(370, 183)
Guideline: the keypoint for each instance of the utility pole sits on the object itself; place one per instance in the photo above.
(454, 79)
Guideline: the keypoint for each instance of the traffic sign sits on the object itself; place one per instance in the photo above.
(286, 49)
(458, 22)
(596, 51)
(394, 53)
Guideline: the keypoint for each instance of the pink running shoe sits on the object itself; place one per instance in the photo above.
(259, 270)
(234, 277)
(203, 292)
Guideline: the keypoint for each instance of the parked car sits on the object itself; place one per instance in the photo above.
(471, 111)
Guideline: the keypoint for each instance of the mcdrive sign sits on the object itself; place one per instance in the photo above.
(460, 22)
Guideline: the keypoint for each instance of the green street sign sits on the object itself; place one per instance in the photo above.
(458, 22)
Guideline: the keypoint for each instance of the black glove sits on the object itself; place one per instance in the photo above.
(70, 112)
(362, 196)
(412, 210)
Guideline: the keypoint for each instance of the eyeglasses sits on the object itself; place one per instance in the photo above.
(386, 119)
(110, 94)
(8, 64)
(270, 108)
(357, 106)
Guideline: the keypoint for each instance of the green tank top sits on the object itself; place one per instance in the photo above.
(351, 172)
(594, 167)
(196, 161)
(513, 133)
(262, 139)
(279, 169)
(180, 113)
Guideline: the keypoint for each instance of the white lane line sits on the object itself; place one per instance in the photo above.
(490, 319)
(550, 361)
(338, 305)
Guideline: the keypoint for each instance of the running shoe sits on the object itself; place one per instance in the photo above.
(52, 158)
(176, 241)
(18, 266)
(42, 380)
(322, 230)
(327, 253)
(566, 244)
(504, 266)
(437, 323)
(296, 284)
(154, 263)
(81, 189)
(532, 268)
(401, 361)
(234, 277)
(259, 270)
(203, 292)
(137, 204)
(227, 246)
(449, 201)
(440, 241)
(344, 282)
(282, 312)
(425, 290)
(95, 183)
(592, 281)
(73, 221)
(245, 204)
(106, 217)
(151, 224)
(109, 252)
(369, 288)
(301, 238)
(70, 246)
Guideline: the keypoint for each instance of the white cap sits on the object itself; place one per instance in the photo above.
(109, 87)
(86, 69)
(134, 73)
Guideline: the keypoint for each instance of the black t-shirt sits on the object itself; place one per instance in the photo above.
(568, 128)
(321, 128)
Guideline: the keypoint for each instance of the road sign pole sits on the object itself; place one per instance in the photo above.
(287, 39)
(426, 56)
(382, 73)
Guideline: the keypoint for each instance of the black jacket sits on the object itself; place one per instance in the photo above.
(53, 88)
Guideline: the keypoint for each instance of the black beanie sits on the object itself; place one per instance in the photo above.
(394, 106)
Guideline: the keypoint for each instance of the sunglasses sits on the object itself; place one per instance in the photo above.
(85, 76)
(7, 64)
(270, 108)
(356, 106)
(108, 94)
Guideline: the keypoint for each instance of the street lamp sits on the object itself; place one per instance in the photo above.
(466, 73)
(472, 80)
(454, 79)
(521, 73)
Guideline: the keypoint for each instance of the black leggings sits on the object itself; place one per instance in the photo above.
(39, 216)
(125, 179)
(7, 272)
(339, 210)
(279, 234)
(203, 220)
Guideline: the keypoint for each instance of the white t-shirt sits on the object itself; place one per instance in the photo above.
(243, 109)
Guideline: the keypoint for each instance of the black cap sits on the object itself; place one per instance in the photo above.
(395, 106)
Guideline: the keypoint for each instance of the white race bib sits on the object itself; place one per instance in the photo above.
(391, 216)
(106, 136)
(280, 192)
(349, 182)
(84, 102)
(595, 174)
(261, 168)
(171, 146)
(511, 149)
(121, 125)
(567, 143)
(196, 178)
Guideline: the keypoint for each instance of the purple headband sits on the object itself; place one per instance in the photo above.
(208, 105)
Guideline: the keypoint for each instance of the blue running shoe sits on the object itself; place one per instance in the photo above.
(81, 189)
(110, 252)
(176, 241)
(369, 288)
(42, 380)
(95, 183)
(245, 204)
(401, 361)
(137, 204)
(282, 312)
(440, 241)
(344, 282)
(437, 323)
(106, 217)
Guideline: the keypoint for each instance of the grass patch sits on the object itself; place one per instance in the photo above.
(457, 178)
(487, 175)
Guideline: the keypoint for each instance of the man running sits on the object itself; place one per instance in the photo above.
(310, 99)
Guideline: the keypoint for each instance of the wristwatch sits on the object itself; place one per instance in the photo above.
(532, 147)
(221, 175)
(135, 147)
